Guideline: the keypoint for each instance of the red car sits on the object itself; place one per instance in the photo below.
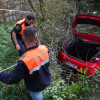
(83, 51)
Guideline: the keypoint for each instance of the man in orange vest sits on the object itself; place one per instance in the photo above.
(17, 32)
(33, 66)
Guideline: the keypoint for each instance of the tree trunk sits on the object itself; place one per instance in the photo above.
(42, 8)
(32, 5)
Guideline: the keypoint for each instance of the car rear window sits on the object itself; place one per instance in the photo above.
(88, 28)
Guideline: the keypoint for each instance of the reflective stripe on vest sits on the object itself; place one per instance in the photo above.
(35, 58)
(21, 22)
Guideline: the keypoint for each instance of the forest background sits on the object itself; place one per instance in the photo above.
(53, 24)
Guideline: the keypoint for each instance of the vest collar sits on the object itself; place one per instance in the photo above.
(32, 47)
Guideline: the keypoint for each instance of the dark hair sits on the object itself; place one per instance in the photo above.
(30, 17)
(29, 33)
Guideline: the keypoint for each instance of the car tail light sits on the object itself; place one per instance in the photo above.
(95, 59)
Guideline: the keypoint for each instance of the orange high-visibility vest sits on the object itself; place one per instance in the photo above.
(23, 26)
(35, 58)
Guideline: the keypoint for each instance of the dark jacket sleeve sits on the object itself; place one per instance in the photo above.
(16, 75)
(17, 28)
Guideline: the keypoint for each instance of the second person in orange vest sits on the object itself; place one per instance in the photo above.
(17, 32)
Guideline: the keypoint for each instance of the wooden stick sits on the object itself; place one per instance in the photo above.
(8, 68)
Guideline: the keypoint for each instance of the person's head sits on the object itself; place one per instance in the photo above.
(29, 35)
(29, 20)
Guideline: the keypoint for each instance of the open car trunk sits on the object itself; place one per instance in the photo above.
(81, 49)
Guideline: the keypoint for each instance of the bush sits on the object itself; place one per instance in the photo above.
(59, 90)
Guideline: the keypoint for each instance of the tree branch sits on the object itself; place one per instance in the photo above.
(32, 5)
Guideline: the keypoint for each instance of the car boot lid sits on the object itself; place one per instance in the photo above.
(86, 19)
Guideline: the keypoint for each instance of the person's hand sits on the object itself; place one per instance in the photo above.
(18, 47)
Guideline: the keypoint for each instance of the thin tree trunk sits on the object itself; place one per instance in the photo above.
(32, 5)
(42, 8)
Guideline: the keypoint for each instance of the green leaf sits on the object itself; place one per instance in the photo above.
(80, 70)
(85, 70)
